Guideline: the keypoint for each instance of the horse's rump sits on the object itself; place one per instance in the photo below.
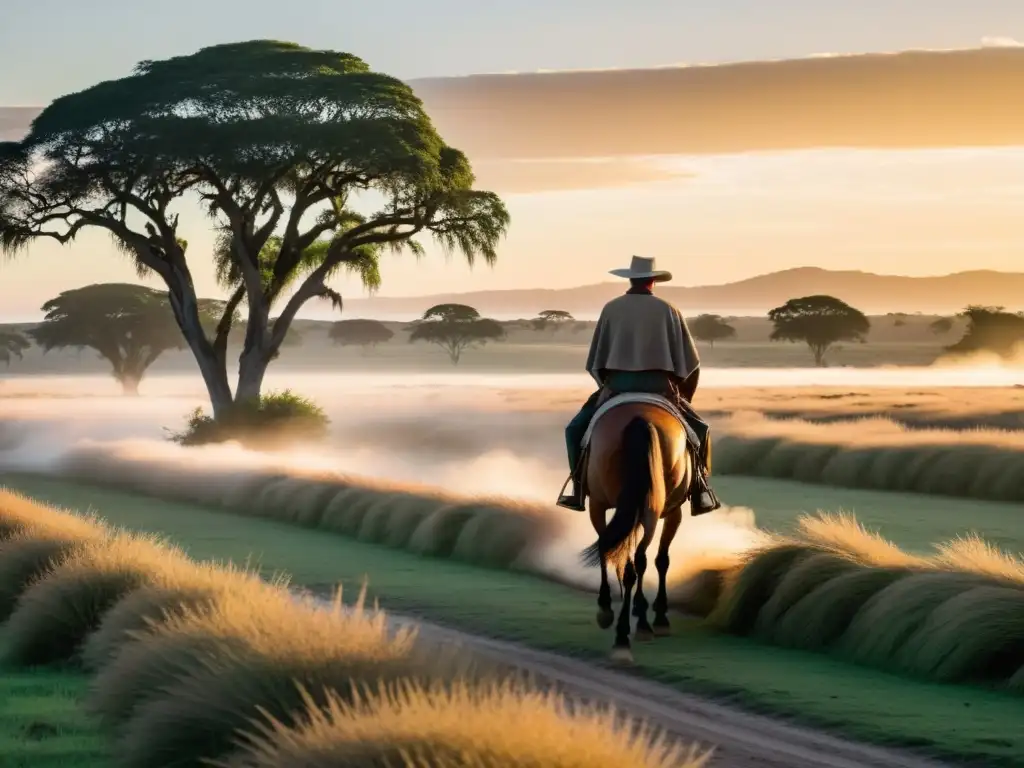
(605, 458)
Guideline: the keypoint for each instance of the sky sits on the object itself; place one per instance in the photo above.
(723, 218)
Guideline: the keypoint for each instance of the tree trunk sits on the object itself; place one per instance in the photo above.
(819, 355)
(129, 384)
(210, 367)
(252, 368)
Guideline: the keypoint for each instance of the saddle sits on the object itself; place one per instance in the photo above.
(700, 444)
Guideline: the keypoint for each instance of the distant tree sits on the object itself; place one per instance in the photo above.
(12, 345)
(360, 333)
(455, 328)
(990, 329)
(551, 320)
(130, 326)
(820, 322)
(710, 328)
(942, 326)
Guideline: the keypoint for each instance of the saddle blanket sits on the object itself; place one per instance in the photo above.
(650, 399)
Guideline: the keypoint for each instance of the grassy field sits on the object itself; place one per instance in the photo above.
(199, 664)
(42, 724)
(811, 687)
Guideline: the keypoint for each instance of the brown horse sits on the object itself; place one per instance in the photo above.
(638, 456)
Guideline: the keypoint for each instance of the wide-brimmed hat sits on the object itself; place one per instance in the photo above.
(643, 268)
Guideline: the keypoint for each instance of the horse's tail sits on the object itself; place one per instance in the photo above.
(643, 489)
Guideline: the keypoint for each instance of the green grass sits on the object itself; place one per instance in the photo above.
(911, 520)
(42, 724)
(874, 706)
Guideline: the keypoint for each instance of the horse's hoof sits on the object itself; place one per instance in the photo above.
(622, 655)
(605, 618)
(643, 635)
(664, 631)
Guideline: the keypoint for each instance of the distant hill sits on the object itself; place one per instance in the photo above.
(871, 293)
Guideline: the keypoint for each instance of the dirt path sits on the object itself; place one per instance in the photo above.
(741, 740)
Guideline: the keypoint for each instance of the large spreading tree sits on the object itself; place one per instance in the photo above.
(710, 328)
(360, 332)
(456, 328)
(820, 322)
(130, 326)
(279, 144)
(991, 329)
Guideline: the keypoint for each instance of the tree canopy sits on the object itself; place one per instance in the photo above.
(551, 319)
(456, 328)
(278, 143)
(820, 322)
(710, 328)
(12, 345)
(359, 332)
(129, 325)
(991, 329)
(941, 326)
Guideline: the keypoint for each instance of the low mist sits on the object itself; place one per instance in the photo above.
(466, 434)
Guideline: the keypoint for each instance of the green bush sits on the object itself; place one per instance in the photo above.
(275, 419)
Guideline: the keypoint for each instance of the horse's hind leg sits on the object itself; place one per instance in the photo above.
(643, 628)
(621, 651)
(670, 526)
(605, 614)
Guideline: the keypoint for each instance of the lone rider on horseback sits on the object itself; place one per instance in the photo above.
(641, 344)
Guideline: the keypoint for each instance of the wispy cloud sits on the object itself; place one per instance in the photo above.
(1001, 42)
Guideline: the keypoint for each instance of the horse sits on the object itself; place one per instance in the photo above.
(639, 456)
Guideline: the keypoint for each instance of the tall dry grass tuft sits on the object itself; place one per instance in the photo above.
(20, 515)
(455, 727)
(273, 647)
(956, 616)
(752, 584)
(843, 534)
(181, 593)
(819, 619)
(874, 453)
(53, 616)
(26, 557)
(974, 555)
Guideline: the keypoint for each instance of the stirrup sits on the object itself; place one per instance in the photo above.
(570, 500)
(704, 500)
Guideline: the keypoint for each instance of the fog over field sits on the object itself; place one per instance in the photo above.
(490, 434)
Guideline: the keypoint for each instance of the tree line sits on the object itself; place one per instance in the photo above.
(132, 326)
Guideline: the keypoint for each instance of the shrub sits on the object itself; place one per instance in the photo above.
(457, 727)
(274, 420)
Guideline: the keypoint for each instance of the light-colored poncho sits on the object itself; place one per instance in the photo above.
(641, 332)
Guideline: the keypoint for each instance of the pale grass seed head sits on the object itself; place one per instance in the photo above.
(842, 534)
(457, 726)
(975, 555)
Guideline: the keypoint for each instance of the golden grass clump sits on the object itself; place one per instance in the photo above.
(56, 613)
(20, 515)
(843, 534)
(957, 616)
(974, 555)
(455, 726)
(189, 591)
(23, 559)
(874, 453)
(252, 653)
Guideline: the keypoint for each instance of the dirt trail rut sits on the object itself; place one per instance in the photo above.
(741, 740)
